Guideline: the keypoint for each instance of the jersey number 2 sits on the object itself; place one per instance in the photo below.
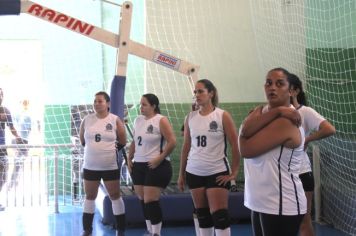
(139, 140)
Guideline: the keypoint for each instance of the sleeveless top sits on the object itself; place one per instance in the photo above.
(207, 155)
(100, 138)
(272, 183)
(149, 141)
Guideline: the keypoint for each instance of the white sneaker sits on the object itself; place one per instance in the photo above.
(147, 233)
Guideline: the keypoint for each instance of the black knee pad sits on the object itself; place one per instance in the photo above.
(154, 212)
(144, 210)
(204, 218)
(221, 219)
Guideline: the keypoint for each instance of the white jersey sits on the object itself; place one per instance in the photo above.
(272, 183)
(100, 136)
(149, 141)
(207, 155)
(311, 121)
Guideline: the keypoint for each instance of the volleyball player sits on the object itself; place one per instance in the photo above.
(99, 134)
(272, 146)
(148, 160)
(316, 127)
(204, 165)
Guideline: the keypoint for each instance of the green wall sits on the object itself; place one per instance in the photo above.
(331, 85)
(57, 122)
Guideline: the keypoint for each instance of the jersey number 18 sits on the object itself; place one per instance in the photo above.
(201, 141)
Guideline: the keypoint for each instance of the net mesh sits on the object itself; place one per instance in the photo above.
(234, 42)
(316, 40)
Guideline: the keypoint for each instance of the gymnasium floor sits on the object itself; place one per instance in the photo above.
(42, 221)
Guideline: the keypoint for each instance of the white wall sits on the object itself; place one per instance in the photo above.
(217, 35)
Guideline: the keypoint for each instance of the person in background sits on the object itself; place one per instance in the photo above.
(23, 125)
(100, 134)
(316, 127)
(24, 121)
(5, 120)
(148, 159)
(271, 142)
(204, 165)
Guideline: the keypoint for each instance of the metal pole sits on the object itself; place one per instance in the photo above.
(56, 210)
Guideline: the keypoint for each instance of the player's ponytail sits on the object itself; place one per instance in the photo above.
(211, 88)
(296, 83)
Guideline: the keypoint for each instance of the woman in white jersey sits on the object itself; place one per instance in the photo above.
(272, 146)
(148, 160)
(204, 165)
(100, 132)
(316, 127)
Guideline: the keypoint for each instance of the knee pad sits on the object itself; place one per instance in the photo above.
(204, 218)
(221, 219)
(144, 210)
(89, 206)
(154, 212)
(118, 206)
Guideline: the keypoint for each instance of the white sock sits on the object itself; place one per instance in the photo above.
(89, 206)
(156, 229)
(149, 226)
(206, 231)
(223, 232)
(196, 225)
(118, 206)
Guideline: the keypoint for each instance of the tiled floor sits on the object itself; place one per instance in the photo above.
(42, 221)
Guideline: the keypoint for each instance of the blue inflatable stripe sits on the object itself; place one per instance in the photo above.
(117, 96)
(10, 7)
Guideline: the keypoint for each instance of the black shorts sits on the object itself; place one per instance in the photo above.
(97, 175)
(158, 177)
(3, 157)
(307, 181)
(275, 225)
(196, 181)
(3, 153)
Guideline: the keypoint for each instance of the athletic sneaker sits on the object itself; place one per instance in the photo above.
(120, 233)
(86, 233)
(147, 233)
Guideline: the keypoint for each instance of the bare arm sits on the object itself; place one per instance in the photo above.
(256, 121)
(168, 134)
(184, 156)
(231, 134)
(131, 150)
(121, 132)
(5, 116)
(131, 155)
(14, 132)
(81, 133)
(278, 132)
(326, 129)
